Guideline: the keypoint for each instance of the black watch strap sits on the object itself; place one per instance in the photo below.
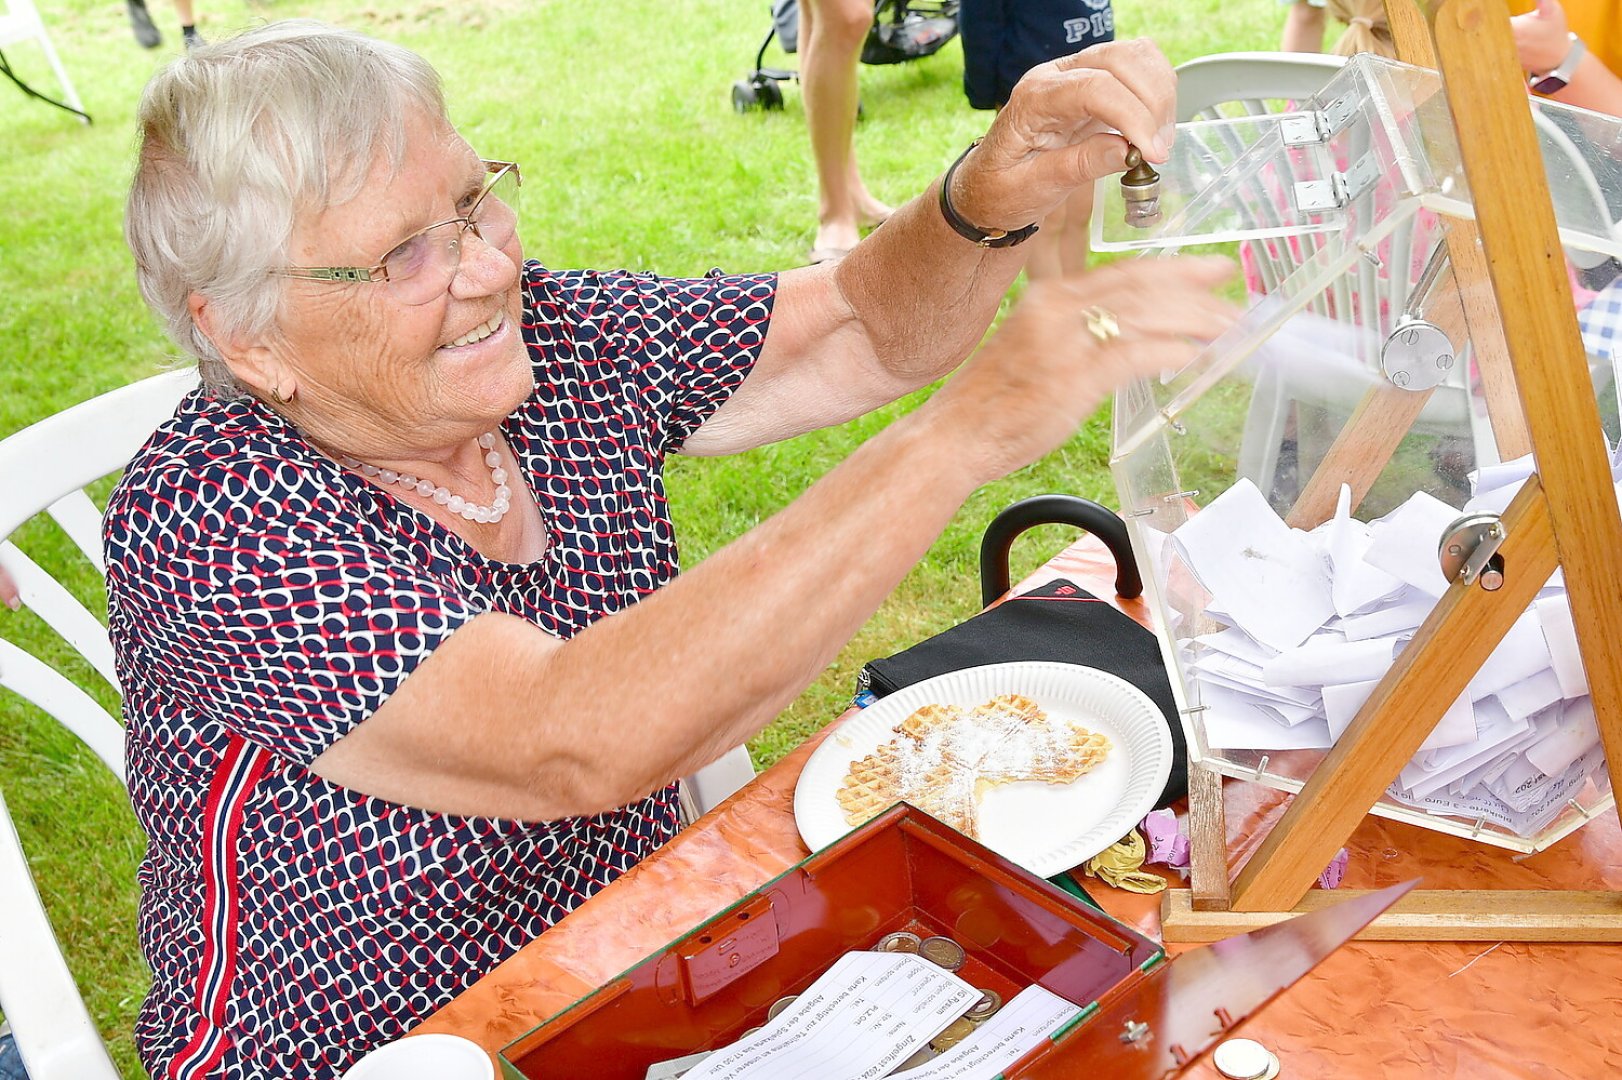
(995, 238)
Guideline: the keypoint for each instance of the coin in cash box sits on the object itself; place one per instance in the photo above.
(943, 951)
(780, 1004)
(750, 1032)
(900, 941)
(955, 1033)
(990, 1001)
(1245, 1059)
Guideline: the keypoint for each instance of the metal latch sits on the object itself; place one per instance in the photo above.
(1340, 189)
(1469, 551)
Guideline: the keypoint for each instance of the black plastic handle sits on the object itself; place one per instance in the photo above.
(1096, 518)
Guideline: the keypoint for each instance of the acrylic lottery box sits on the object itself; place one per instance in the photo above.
(1132, 1012)
(1302, 494)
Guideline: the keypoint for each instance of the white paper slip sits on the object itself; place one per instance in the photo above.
(1531, 696)
(1232, 722)
(1434, 770)
(1504, 474)
(1575, 735)
(1268, 577)
(1522, 654)
(1405, 542)
(1236, 643)
(1329, 658)
(1356, 584)
(1408, 609)
(1560, 634)
(1021, 1025)
(866, 1014)
(1341, 703)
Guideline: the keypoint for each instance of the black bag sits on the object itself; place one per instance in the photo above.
(1057, 621)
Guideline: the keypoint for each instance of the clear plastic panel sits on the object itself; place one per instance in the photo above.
(1226, 461)
(1256, 177)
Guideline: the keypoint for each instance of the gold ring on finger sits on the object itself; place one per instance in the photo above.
(1102, 323)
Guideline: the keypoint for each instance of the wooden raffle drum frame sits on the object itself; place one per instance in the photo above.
(1539, 400)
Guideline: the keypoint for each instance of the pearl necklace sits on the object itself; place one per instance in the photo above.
(441, 494)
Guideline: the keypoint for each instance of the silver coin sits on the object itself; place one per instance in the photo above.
(943, 951)
(1245, 1059)
(982, 1010)
(748, 1033)
(900, 941)
(780, 1004)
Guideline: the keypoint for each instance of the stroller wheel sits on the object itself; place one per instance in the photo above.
(744, 97)
(769, 93)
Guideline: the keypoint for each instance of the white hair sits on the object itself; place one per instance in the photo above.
(237, 139)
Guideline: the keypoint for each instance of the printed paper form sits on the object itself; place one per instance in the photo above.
(1024, 1022)
(867, 1013)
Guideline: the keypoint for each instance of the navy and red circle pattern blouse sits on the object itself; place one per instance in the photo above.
(264, 601)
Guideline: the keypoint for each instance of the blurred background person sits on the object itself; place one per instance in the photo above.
(1572, 52)
(1002, 40)
(146, 31)
(831, 37)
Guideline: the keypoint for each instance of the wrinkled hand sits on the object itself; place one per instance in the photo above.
(1057, 132)
(1541, 37)
(1044, 371)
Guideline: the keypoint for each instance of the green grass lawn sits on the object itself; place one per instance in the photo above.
(633, 158)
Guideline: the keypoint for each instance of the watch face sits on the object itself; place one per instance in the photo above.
(1549, 84)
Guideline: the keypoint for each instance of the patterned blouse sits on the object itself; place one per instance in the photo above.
(264, 601)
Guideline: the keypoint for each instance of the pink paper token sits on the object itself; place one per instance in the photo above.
(1167, 844)
(1334, 872)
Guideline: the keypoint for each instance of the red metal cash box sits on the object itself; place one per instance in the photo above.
(1144, 1015)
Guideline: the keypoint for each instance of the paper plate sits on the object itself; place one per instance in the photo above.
(1046, 828)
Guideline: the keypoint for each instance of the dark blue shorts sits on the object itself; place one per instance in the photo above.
(1003, 39)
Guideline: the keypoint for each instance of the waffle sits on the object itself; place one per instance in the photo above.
(944, 758)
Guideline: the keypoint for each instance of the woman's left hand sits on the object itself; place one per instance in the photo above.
(1058, 132)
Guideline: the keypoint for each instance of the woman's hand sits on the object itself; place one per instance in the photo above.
(1058, 132)
(1542, 37)
(1067, 345)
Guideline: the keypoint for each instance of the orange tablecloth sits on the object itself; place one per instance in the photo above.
(1393, 1010)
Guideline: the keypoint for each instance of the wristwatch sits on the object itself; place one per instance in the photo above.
(1557, 79)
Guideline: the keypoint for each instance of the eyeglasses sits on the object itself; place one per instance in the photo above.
(421, 267)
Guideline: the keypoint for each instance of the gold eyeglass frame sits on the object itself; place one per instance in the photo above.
(379, 272)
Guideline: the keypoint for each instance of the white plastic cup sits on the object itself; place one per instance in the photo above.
(425, 1057)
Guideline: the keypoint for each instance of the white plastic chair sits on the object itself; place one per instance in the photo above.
(44, 469)
(1226, 85)
(21, 22)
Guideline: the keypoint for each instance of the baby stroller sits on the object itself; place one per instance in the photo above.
(902, 30)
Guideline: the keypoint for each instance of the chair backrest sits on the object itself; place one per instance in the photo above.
(1249, 83)
(43, 470)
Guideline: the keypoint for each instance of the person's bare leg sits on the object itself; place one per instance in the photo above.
(1303, 28)
(832, 32)
(1060, 246)
(183, 8)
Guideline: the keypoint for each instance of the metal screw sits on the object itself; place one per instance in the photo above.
(1399, 378)
(1454, 549)
(1135, 1031)
(1445, 361)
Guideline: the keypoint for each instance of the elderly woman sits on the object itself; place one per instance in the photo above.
(407, 669)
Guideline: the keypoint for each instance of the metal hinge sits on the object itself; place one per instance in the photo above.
(1340, 189)
(1319, 125)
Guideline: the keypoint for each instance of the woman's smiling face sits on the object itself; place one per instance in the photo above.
(375, 375)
